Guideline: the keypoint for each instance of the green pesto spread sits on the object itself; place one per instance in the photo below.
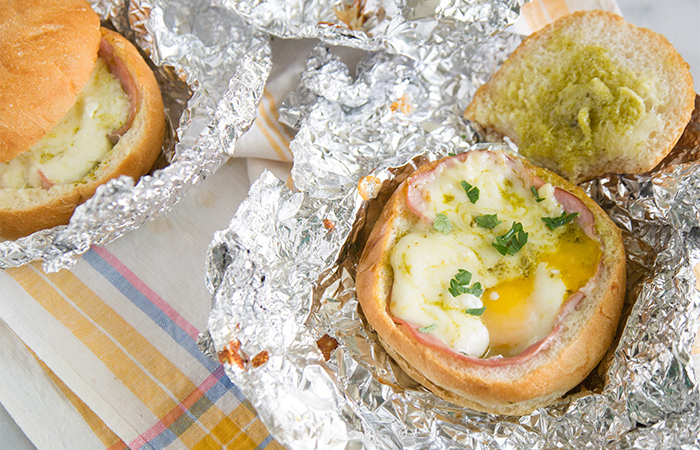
(587, 102)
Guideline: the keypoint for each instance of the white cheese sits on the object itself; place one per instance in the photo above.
(79, 142)
(522, 294)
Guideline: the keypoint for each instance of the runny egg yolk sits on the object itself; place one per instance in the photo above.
(511, 312)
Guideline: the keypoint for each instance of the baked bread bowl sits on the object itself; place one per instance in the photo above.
(83, 109)
(589, 94)
(411, 247)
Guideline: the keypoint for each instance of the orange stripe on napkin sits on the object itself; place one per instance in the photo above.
(228, 433)
(140, 349)
(55, 292)
(534, 15)
(539, 13)
(276, 115)
(45, 290)
(110, 440)
(555, 9)
(271, 128)
(275, 146)
(241, 430)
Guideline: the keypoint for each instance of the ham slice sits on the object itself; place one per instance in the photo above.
(118, 69)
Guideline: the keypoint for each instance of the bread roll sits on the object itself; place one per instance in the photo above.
(580, 322)
(25, 208)
(589, 94)
(47, 52)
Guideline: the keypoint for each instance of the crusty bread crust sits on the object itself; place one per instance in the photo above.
(516, 388)
(47, 52)
(24, 211)
(669, 98)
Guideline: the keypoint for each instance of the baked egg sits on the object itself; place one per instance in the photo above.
(491, 260)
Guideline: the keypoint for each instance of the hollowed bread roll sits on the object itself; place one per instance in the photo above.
(542, 299)
(113, 126)
(589, 94)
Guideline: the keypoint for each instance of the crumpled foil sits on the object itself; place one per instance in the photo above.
(211, 67)
(415, 28)
(285, 318)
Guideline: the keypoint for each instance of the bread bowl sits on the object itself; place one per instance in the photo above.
(411, 281)
(589, 94)
(78, 107)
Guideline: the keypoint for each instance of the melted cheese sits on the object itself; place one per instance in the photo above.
(522, 293)
(79, 142)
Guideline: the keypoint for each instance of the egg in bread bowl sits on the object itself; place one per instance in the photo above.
(78, 107)
(496, 284)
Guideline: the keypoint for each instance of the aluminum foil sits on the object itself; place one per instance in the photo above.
(408, 27)
(212, 69)
(285, 317)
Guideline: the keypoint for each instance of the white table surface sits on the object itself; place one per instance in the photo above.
(678, 20)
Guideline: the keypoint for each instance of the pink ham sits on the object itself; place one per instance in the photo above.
(118, 69)
(45, 182)
(572, 204)
(415, 199)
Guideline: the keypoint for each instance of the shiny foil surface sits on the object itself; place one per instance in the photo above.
(285, 318)
(407, 27)
(211, 67)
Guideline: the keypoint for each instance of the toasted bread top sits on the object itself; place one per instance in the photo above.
(589, 94)
(48, 50)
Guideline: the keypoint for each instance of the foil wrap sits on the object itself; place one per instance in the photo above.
(419, 29)
(285, 318)
(212, 68)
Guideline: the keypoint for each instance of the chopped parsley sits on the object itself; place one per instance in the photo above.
(458, 285)
(463, 277)
(536, 194)
(476, 290)
(442, 223)
(428, 329)
(475, 311)
(487, 220)
(555, 222)
(472, 191)
(511, 242)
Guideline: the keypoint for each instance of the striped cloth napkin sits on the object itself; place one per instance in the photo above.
(104, 355)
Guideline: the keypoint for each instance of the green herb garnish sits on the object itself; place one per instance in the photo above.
(472, 191)
(487, 220)
(458, 285)
(475, 290)
(511, 242)
(536, 194)
(555, 222)
(442, 223)
(475, 311)
(428, 329)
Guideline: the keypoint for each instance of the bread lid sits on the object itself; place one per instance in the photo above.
(589, 94)
(48, 50)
